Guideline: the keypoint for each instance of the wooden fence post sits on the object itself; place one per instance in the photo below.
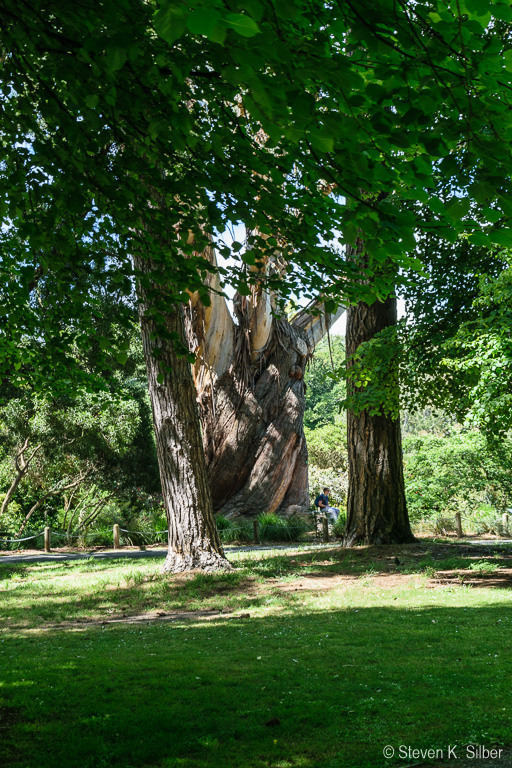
(47, 539)
(325, 527)
(256, 526)
(116, 536)
(504, 522)
(458, 523)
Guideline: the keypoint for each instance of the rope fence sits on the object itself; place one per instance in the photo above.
(120, 536)
(253, 536)
(27, 538)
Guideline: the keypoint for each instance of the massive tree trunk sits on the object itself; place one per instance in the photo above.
(249, 376)
(193, 538)
(376, 507)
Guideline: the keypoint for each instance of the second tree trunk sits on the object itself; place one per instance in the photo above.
(376, 506)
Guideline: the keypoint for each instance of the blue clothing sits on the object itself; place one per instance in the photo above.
(323, 506)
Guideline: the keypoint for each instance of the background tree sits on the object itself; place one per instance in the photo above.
(443, 307)
(101, 441)
(376, 503)
(324, 389)
(470, 365)
(54, 452)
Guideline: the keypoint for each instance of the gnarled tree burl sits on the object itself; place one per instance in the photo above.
(249, 376)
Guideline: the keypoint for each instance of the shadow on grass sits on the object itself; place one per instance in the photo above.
(123, 588)
(326, 689)
(18, 570)
(381, 561)
(38, 601)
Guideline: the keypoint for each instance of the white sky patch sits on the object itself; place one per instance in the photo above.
(238, 233)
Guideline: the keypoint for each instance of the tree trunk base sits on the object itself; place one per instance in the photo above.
(200, 559)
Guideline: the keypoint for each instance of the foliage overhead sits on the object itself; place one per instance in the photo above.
(147, 127)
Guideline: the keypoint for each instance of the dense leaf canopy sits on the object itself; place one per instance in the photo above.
(132, 126)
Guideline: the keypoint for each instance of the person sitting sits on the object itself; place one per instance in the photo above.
(322, 502)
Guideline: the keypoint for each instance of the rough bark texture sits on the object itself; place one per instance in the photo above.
(193, 538)
(376, 506)
(254, 438)
(251, 395)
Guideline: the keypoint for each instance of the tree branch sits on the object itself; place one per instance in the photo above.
(315, 322)
(22, 466)
(53, 492)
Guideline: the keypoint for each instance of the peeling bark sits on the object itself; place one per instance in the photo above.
(252, 413)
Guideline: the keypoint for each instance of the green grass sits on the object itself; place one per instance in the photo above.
(345, 669)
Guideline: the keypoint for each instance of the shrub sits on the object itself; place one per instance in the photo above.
(327, 446)
(272, 528)
(276, 528)
(339, 526)
(231, 531)
(461, 473)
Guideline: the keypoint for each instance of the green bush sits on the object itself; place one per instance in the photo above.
(462, 473)
(223, 523)
(338, 528)
(327, 446)
(272, 528)
(276, 528)
(11, 519)
(28, 533)
(231, 531)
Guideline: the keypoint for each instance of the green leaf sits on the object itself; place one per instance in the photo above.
(92, 100)
(321, 141)
(506, 206)
(476, 7)
(203, 21)
(253, 7)
(121, 357)
(170, 23)
(116, 58)
(218, 33)
(483, 191)
(243, 25)
(286, 9)
(436, 205)
(478, 238)
(502, 237)
(457, 207)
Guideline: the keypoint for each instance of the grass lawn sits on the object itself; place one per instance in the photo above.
(307, 659)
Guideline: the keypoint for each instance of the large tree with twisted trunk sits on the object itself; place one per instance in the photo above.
(249, 376)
